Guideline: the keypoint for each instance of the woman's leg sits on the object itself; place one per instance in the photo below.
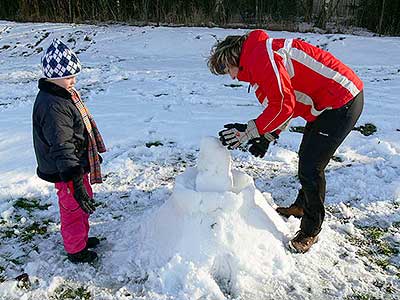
(320, 141)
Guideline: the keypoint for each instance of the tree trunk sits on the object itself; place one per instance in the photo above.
(158, 12)
(307, 6)
(71, 19)
(381, 18)
(321, 20)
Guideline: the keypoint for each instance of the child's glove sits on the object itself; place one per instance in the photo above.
(237, 134)
(81, 195)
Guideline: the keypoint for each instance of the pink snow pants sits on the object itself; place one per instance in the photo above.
(74, 221)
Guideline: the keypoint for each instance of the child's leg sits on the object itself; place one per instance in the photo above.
(74, 221)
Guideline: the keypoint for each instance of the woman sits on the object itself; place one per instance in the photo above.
(293, 78)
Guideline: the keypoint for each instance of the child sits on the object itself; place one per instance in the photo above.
(67, 143)
(292, 78)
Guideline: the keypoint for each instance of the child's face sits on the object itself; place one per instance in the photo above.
(66, 83)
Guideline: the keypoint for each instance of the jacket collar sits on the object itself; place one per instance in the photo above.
(254, 39)
(52, 88)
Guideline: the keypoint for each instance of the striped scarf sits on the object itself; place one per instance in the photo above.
(96, 144)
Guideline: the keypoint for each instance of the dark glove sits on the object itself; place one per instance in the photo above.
(237, 134)
(259, 146)
(81, 195)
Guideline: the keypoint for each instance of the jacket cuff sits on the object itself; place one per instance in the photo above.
(271, 136)
(70, 173)
(252, 130)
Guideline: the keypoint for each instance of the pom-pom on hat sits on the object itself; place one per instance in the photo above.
(59, 61)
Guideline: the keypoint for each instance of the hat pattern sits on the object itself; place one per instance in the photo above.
(59, 61)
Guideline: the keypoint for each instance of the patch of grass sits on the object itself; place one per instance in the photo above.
(361, 296)
(374, 233)
(383, 263)
(155, 144)
(299, 129)
(32, 230)
(47, 221)
(386, 248)
(367, 129)
(30, 204)
(66, 292)
(360, 243)
(9, 233)
(373, 246)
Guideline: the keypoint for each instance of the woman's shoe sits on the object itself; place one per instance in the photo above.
(302, 242)
(292, 210)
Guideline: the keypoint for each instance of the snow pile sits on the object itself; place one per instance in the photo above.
(214, 168)
(216, 235)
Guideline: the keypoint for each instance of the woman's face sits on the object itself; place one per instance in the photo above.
(233, 72)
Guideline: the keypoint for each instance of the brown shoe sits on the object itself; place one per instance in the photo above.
(301, 243)
(292, 210)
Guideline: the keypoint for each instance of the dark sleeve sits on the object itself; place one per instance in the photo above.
(58, 129)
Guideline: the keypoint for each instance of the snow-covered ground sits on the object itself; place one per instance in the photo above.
(154, 100)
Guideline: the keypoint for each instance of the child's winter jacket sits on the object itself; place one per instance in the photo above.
(59, 136)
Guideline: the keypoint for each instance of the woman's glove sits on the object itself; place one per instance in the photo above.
(236, 134)
(259, 146)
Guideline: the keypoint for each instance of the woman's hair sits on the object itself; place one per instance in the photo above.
(226, 53)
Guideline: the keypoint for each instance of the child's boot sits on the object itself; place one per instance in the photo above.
(84, 256)
(92, 242)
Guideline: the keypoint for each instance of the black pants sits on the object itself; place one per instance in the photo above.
(320, 140)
